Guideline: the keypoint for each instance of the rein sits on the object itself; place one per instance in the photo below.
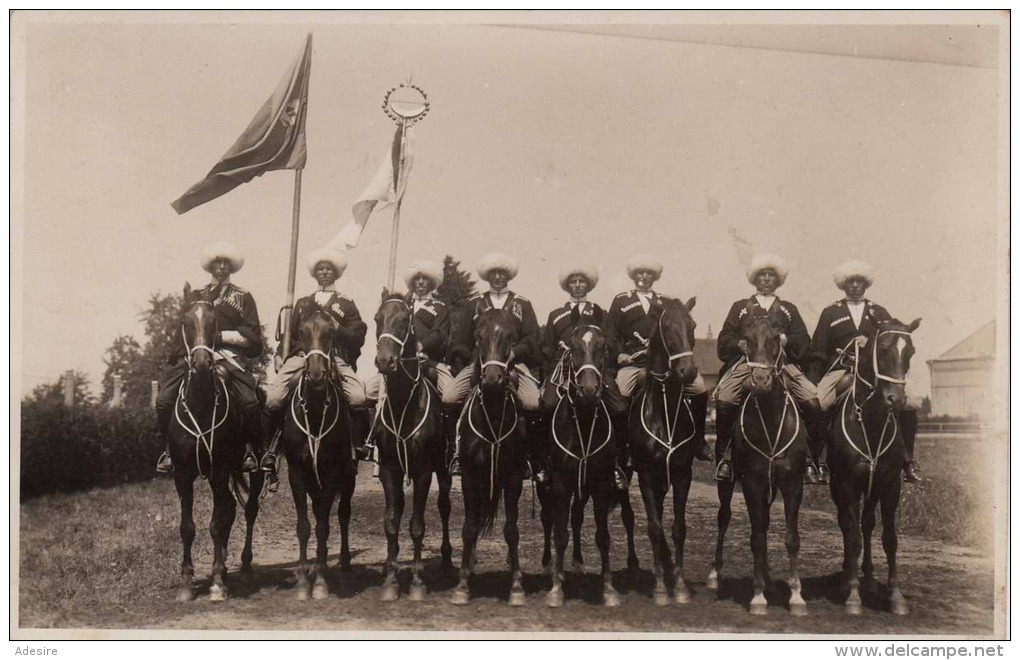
(670, 358)
(775, 446)
(315, 438)
(494, 438)
(667, 443)
(204, 438)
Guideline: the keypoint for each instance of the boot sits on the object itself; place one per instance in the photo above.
(699, 409)
(817, 422)
(537, 431)
(365, 433)
(272, 424)
(450, 416)
(908, 426)
(725, 417)
(251, 429)
(164, 464)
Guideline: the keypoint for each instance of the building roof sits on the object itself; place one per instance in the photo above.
(980, 344)
(705, 358)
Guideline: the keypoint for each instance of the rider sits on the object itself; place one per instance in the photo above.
(239, 340)
(431, 319)
(498, 269)
(578, 281)
(766, 273)
(326, 266)
(842, 325)
(630, 324)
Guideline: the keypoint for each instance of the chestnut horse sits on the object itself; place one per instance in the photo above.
(866, 456)
(204, 437)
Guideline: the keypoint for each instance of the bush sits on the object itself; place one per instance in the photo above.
(89, 446)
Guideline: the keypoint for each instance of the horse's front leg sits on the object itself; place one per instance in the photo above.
(601, 502)
(224, 512)
(303, 530)
(653, 494)
(393, 491)
(445, 506)
(343, 514)
(322, 506)
(848, 508)
(890, 543)
(185, 484)
(868, 519)
(548, 516)
(627, 514)
(251, 512)
(725, 492)
(511, 498)
(474, 501)
(756, 497)
(793, 493)
(681, 490)
(561, 536)
(422, 484)
(577, 507)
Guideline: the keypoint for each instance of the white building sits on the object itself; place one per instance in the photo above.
(961, 378)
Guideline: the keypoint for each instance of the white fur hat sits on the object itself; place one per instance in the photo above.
(335, 258)
(497, 261)
(851, 269)
(222, 250)
(429, 269)
(644, 262)
(590, 273)
(763, 261)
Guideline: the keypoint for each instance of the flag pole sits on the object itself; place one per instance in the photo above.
(395, 235)
(288, 309)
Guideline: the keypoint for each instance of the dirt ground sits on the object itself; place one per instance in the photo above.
(949, 588)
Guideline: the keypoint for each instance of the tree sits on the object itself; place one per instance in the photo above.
(52, 394)
(457, 284)
(121, 358)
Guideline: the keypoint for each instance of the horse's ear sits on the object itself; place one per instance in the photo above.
(655, 309)
(914, 325)
(385, 293)
(691, 303)
(187, 290)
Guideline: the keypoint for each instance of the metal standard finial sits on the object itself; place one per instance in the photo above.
(405, 115)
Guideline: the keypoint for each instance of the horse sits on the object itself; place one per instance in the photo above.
(316, 438)
(769, 453)
(492, 452)
(866, 456)
(411, 443)
(583, 456)
(662, 431)
(204, 437)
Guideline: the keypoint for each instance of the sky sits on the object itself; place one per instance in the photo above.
(555, 147)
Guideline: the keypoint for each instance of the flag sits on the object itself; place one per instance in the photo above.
(386, 187)
(274, 140)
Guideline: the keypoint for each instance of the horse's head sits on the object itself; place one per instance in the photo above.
(671, 348)
(890, 350)
(588, 354)
(495, 336)
(315, 337)
(394, 334)
(199, 327)
(762, 331)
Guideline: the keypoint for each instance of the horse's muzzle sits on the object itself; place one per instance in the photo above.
(386, 364)
(493, 378)
(761, 380)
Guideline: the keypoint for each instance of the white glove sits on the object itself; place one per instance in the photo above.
(861, 341)
(782, 339)
(232, 338)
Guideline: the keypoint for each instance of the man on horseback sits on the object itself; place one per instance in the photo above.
(843, 326)
(578, 281)
(498, 269)
(630, 324)
(766, 273)
(240, 339)
(326, 266)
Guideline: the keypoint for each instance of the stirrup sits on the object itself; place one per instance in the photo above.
(454, 467)
(164, 464)
(272, 482)
(268, 462)
(620, 479)
(365, 453)
(250, 464)
(811, 476)
(910, 473)
(724, 471)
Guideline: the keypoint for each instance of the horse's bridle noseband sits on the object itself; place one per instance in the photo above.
(671, 358)
(403, 343)
(874, 358)
(199, 347)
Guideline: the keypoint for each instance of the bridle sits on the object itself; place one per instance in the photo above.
(304, 423)
(189, 349)
(409, 339)
(670, 357)
(780, 360)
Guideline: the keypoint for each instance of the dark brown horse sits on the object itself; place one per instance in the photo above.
(411, 442)
(769, 452)
(661, 439)
(866, 456)
(205, 441)
(492, 437)
(582, 455)
(317, 441)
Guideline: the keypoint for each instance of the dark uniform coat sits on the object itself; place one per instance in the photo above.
(431, 326)
(235, 310)
(835, 330)
(561, 324)
(627, 317)
(527, 350)
(798, 341)
(350, 336)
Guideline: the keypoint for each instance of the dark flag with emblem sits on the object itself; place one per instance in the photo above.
(274, 140)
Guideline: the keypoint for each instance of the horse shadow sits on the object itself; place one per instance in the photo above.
(740, 590)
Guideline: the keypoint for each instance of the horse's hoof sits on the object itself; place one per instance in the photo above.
(759, 609)
(660, 598)
(462, 598)
(577, 567)
(899, 606)
(417, 593)
(303, 592)
(517, 599)
(554, 599)
(217, 594)
(390, 593)
(682, 597)
(611, 599)
(854, 608)
(547, 570)
(798, 609)
(320, 592)
(185, 595)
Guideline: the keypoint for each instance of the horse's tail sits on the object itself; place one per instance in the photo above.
(491, 510)
(242, 487)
